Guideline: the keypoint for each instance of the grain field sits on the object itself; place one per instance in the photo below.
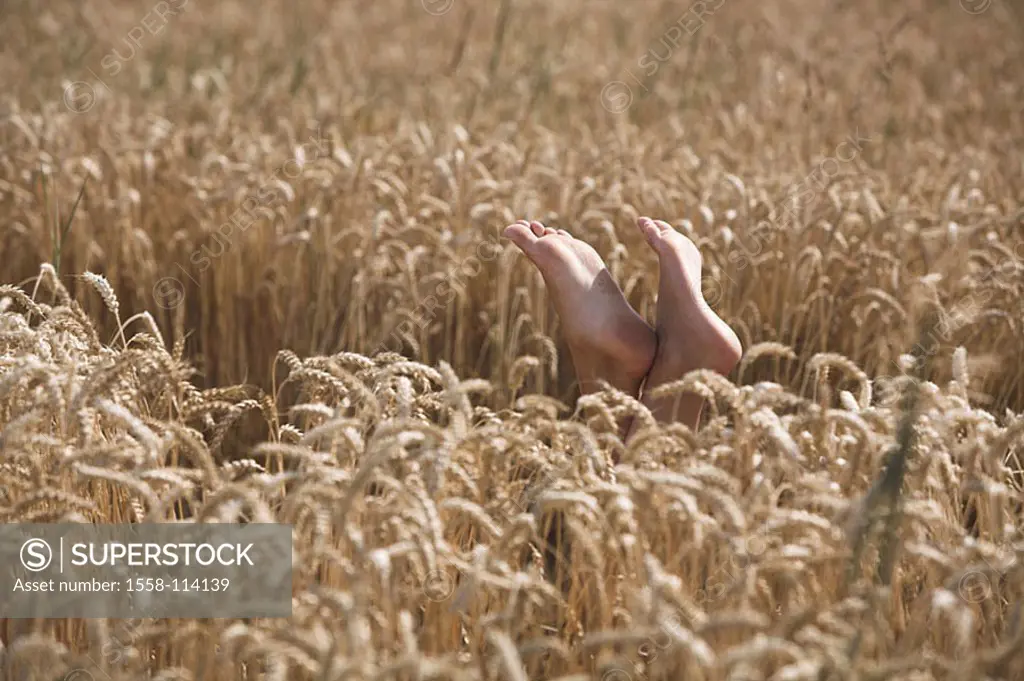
(251, 268)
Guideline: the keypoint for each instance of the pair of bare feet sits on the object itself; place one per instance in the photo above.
(608, 340)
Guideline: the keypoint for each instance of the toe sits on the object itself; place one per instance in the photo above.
(522, 236)
(538, 228)
(664, 227)
(651, 231)
(665, 240)
(548, 231)
(564, 233)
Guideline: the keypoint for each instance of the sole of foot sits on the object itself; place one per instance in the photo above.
(690, 334)
(606, 337)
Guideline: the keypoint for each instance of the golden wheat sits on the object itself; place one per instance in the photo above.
(256, 274)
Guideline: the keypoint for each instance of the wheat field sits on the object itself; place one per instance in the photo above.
(252, 270)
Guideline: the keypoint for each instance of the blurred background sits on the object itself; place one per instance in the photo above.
(306, 174)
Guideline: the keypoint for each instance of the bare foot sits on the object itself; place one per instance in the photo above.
(607, 339)
(690, 334)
